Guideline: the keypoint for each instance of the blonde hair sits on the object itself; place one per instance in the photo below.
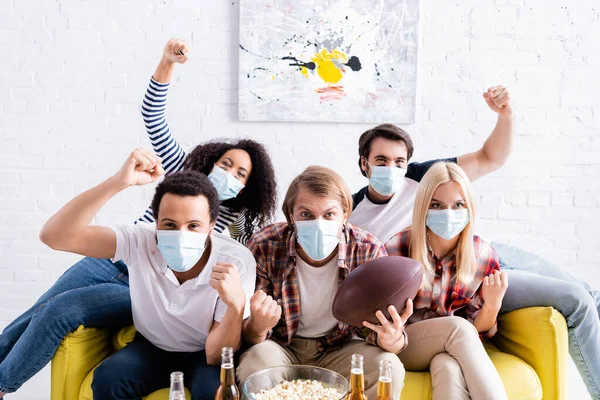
(440, 173)
(321, 181)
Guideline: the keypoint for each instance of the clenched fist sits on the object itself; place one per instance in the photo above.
(498, 99)
(142, 167)
(493, 289)
(264, 312)
(225, 279)
(176, 51)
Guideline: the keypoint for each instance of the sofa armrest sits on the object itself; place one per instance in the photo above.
(538, 336)
(79, 352)
(123, 337)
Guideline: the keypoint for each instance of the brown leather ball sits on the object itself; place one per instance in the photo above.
(375, 285)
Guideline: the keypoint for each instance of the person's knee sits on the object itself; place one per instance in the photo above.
(397, 366)
(398, 371)
(576, 304)
(105, 382)
(460, 327)
(257, 357)
(59, 317)
(67, 311)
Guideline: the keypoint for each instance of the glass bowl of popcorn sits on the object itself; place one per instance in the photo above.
(295, 382)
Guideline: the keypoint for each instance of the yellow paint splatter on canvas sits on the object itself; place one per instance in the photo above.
(326, 68)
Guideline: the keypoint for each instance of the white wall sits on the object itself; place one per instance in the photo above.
(73, 73)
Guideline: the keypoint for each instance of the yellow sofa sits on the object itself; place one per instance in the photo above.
(530, 352)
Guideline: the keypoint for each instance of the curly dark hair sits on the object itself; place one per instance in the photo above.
(187, 183)
(258, 200)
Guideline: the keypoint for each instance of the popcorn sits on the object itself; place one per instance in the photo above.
(298, 390)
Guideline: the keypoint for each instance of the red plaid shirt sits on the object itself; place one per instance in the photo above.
(448, 296)
(274, 248)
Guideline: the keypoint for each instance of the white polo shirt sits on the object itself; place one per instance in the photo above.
(171, 316)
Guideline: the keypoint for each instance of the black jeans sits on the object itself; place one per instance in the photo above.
(142, 368)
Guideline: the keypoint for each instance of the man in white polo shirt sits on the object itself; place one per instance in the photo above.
(189, 286)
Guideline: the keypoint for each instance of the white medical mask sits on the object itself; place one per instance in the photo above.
(386, 180)
(227, 185)
(318, 237)
(181, 249)
(447, 224)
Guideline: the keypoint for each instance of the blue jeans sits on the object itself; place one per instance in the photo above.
(533, 281)
(141, 368)
(93, 292)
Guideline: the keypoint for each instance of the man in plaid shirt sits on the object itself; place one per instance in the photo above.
(300, 265)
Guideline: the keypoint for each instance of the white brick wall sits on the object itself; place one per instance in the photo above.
(73, 73)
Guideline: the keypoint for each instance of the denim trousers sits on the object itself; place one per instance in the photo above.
(141, 368)
(93, 292)
(533, 281)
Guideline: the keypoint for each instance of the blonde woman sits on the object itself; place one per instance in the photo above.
(461, 292)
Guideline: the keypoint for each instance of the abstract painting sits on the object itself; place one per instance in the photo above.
(328, 60)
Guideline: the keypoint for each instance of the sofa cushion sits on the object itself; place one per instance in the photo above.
(538, 335)
(519, 379)
(75, 356)
(123, 337)
(417, 386)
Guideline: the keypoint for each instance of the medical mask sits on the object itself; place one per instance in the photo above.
(318, 237)
(386, 180)
(447, 224)
(180, 249)
(227, 186)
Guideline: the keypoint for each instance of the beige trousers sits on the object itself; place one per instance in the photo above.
(304, 351)
(452, 351)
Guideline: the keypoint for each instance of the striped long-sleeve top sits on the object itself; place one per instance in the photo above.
(173, 156)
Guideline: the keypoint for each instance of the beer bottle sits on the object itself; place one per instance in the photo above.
(357, 379)
(177, 391)
(384, 384)
(227, 390)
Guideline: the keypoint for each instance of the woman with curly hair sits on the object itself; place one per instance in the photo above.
(95, 292)
(248, 190)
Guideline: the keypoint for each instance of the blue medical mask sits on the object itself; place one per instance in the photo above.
(227, 186)
(318, 237)
(386, 180)
(181, 249)
(447, 224)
